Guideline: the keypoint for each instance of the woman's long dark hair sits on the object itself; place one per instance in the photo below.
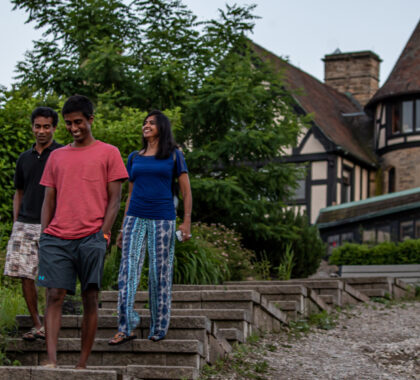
(167, 143)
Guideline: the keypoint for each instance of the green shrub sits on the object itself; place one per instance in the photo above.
(350, 254)
(308, 248)
(293, 230)
(383, 253)
(239, 259)
(199, 262)
(386, 253)
(408, 252)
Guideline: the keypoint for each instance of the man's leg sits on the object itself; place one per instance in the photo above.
(55, 298)
(31, 297)
(89, 324)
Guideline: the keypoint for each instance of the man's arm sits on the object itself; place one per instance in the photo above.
(48, 207)
(17, 201)
(114, 198)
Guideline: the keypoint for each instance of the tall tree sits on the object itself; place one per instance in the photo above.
(236, 115)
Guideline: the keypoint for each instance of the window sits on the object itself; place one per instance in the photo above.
(395, 118)
(347, 237)
(333, 241)
(346, 185)
(383, 233)
(417, 236)
(391, 180)
(405, 117)
(406, 230)
(300, 192)
(368, 236)
(418, 115)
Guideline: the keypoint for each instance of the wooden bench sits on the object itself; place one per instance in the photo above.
(409, 273)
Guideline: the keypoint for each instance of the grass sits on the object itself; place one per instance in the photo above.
(12, 303)
(246, 361)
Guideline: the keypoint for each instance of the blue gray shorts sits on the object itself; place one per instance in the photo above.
(62, 261)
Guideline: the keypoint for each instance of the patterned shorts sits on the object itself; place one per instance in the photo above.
(22, 251)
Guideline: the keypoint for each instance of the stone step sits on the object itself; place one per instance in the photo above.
(328, 298)
(134, 372)
(370, 282)
(232, 335)
(140, 372)
(212, 314)
(285, 305)
(307, 282)
(220, 318)
(40, 373)
(181, 327)
(263, 316)
(138, 351)
(219, 299)
(355, 293)
(294, 290)
(375, 292)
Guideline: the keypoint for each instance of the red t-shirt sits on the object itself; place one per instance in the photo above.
(80, 177)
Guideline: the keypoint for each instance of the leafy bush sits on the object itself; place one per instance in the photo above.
(238, 258)
(386, 253)
(408, 252)
(199, 262)
(350, 254)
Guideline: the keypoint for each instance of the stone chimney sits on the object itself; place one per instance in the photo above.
(356, 73)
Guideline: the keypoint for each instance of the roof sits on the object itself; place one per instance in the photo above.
(327, 106)
(405, 76)
(369, 208)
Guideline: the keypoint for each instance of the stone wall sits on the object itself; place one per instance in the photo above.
(407, 168)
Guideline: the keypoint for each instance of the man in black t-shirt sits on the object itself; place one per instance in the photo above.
(22, 249)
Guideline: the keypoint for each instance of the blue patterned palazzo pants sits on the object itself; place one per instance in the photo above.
(159, 235)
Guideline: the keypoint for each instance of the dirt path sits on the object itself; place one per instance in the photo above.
(371, 341)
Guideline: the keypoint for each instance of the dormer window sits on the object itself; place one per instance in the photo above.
(405, 117)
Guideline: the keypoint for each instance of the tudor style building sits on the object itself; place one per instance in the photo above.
(363, 140)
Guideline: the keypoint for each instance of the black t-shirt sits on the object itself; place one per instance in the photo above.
(29, 168)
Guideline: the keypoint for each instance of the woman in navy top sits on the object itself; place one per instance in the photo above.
(150, 220)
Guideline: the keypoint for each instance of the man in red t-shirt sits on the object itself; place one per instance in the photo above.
(82, 198)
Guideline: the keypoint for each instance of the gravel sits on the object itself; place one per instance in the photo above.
(371, 341)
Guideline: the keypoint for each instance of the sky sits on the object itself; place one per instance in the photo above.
(302, 30)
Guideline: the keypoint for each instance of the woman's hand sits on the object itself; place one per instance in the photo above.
(119, 240)
(185, 229)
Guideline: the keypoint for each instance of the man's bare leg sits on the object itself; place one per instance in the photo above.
(55, 298)
(31, 297)
(89, 324)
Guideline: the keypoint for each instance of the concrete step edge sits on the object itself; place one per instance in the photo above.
(38, 372)
(187, 346)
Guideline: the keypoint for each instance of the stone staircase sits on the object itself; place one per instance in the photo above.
(206, 321)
